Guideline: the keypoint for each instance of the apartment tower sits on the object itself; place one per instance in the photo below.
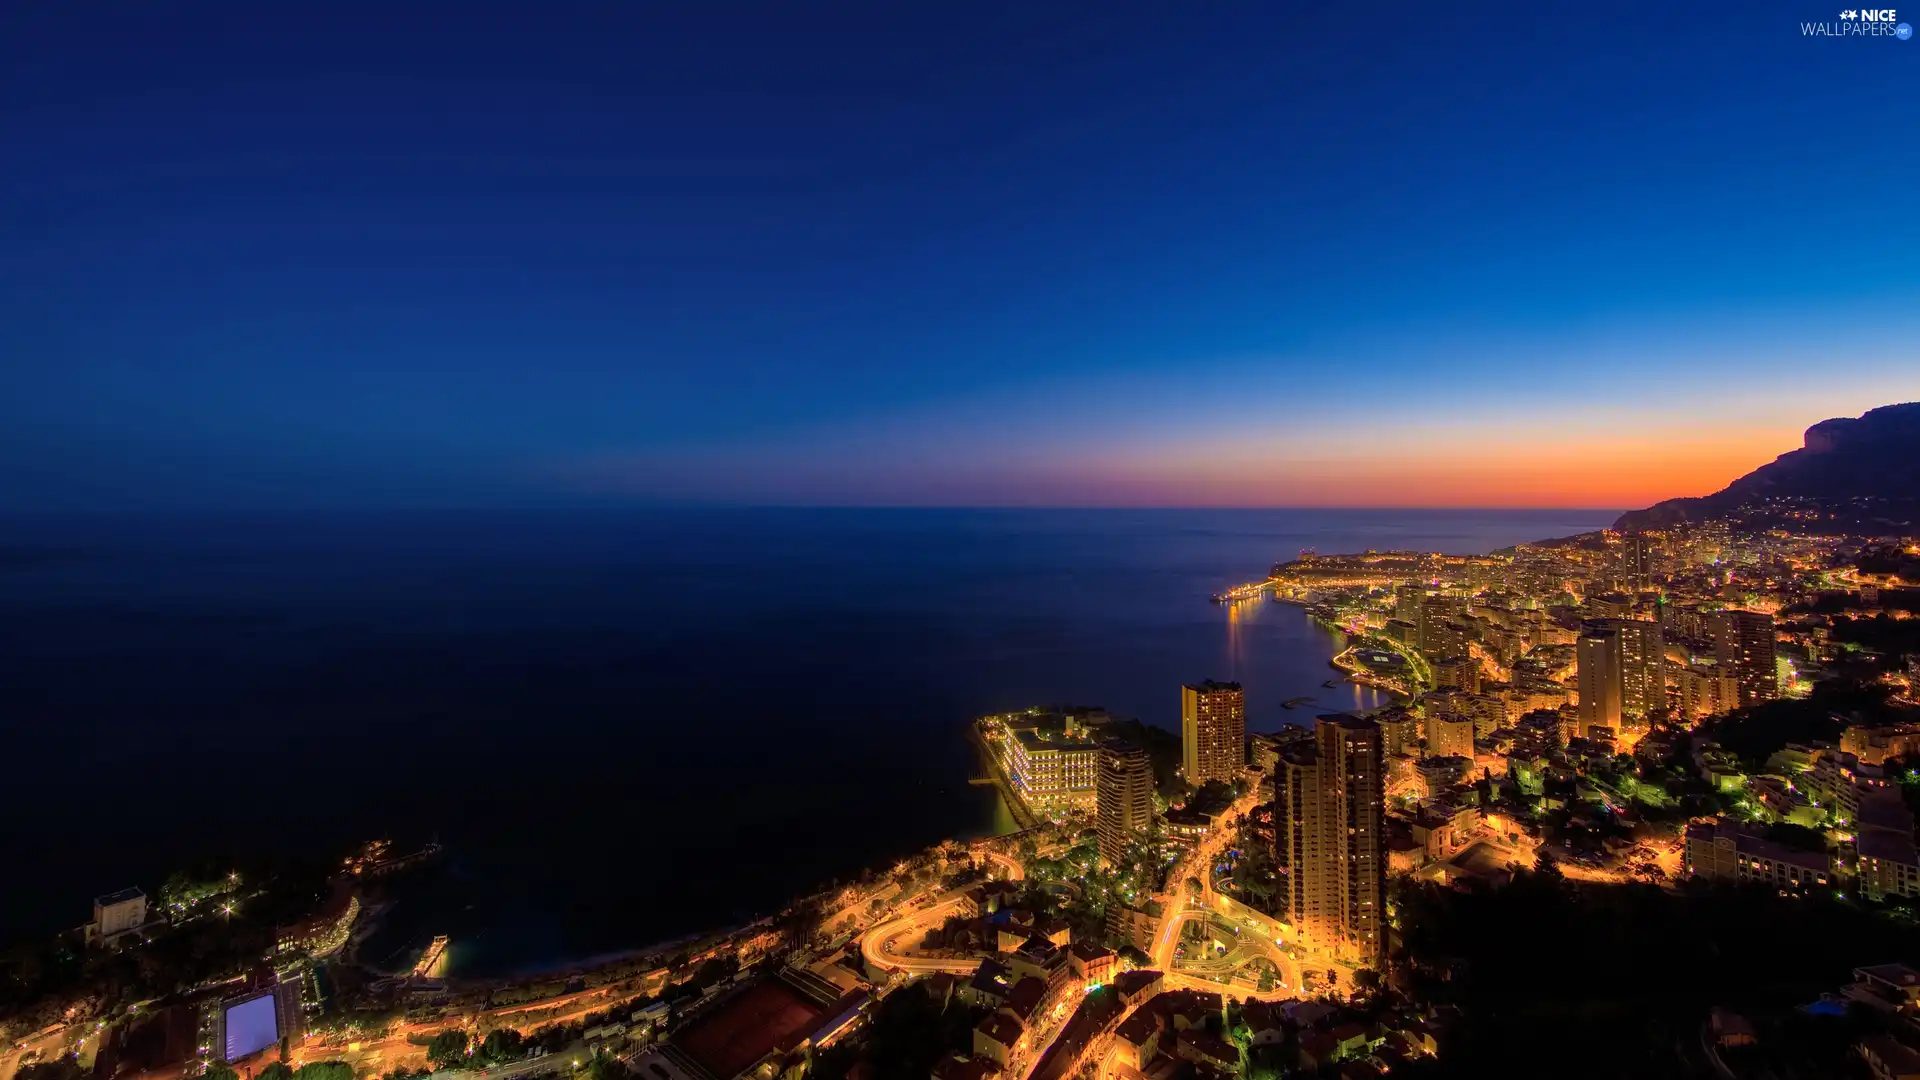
(1328, 816)
(1213, 731)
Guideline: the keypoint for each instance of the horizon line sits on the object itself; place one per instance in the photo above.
(289, 511)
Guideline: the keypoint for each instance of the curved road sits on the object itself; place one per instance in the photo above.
(882, 945)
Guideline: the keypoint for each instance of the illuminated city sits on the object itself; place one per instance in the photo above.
(913, 541)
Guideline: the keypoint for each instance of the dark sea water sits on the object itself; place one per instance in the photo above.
(626, 726)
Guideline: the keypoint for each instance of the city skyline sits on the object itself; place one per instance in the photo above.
(878, 256)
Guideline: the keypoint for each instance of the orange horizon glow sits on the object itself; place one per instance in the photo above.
(1549, 459)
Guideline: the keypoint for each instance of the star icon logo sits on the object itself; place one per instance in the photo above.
(1849, 14)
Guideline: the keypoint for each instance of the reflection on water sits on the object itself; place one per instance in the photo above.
(566, 683)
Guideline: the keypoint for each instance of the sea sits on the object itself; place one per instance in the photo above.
(625, 726)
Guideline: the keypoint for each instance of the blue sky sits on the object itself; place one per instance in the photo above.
(288, 255)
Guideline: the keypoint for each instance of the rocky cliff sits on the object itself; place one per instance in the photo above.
(1875, 456)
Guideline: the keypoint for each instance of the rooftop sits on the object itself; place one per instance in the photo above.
(746, 1027)
(1001, 1028)
(120, 897)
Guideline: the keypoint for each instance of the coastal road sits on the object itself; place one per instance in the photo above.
(884, 946)
(1015, 872)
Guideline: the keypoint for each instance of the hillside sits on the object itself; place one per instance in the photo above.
(1861, 472)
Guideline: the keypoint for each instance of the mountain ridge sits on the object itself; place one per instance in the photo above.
(1844, 460)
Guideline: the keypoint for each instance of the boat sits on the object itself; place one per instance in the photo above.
(1331, 683)
(1294, 703)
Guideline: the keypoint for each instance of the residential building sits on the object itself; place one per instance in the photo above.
(998, 1038)
(1599, 682)
(1889, 865)
(1449, 735)
(1457, 673)
(1706, 690)
(1743, 643)
(117, 915)
(1723, 850)
(1487, 711)
(1887, 1058)
(1092, 965)
(1874, 745)
(1621, 669)
(1123, 790)
(1213, 731)
(1399, 731)
(1329, 810)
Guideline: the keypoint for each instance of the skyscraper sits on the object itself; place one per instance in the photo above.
(1328, 817)
(1213, 731)
(1621, 668)
(1743, 646)
(1636, 557)
(1123, 795)
(1643, 667)
(1597, 666)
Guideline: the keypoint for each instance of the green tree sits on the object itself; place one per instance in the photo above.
(447, 1050)
(59, 1069)
(278, 1070)
(218, 1071)
(324, 1070)
(605, 1067)
(502, 1044)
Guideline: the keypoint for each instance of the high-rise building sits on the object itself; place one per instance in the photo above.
(1596, 660)
(1213, 731)
(1443, 637)
(1621, 668)
(1637, 562)
(1399, 730)
(1328, 815)
(1705, 690)
(1743, 644)
(1123, 799)
(1449, 735)
(1457, 673)
(1643, 667)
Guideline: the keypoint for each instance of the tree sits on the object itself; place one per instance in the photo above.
(219, 1071)
(604, 1067)
(59, 1069)
(447, 1050)
(277, 1070)
(502, 1044)
(324, 1070)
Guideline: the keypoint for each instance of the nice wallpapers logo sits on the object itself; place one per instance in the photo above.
(1860, 22)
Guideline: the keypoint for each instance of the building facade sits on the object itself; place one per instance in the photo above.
(1449, 735)
(1723, 851)
(1706, 690)
(1743, 643)
(1123, 789)
(1329, 831)
(1621, 670)
(1051, 775)
(117, 915)
(1213, 731)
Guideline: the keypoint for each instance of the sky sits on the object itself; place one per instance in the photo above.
(1079, 254)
